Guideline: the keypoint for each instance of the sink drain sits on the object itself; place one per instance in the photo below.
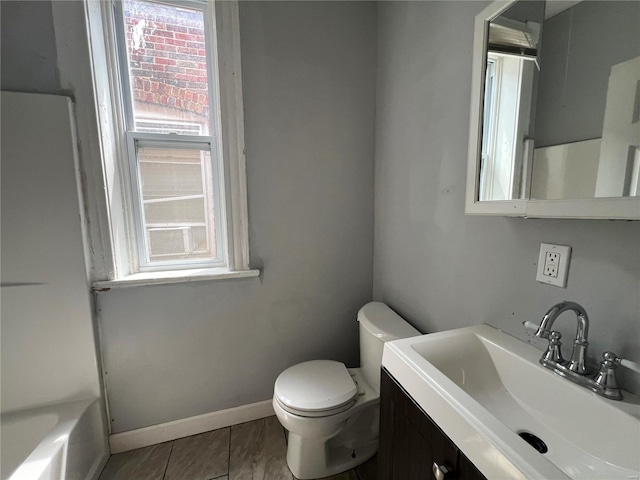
(534, 441)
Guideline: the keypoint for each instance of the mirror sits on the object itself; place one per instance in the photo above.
(555, 126)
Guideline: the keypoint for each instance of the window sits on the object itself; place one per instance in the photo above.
(506, 125)
(164, 62)
(510, 76)
(173, 137)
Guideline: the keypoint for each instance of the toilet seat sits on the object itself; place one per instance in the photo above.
(318, 388)
(316, 413)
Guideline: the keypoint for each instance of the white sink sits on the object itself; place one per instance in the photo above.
(483, 387)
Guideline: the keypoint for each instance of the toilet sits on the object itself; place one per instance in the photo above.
(332, 412)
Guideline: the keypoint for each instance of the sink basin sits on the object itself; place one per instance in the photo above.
(484, 388)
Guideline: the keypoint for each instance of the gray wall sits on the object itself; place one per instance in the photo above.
(441, 269)
(579, 47)
(309, 74)
(176, 351)
(28, 47)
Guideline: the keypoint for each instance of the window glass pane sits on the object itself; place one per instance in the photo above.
(177, 193)
(167, 61)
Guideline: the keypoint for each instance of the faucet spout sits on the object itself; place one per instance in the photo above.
(578, 357)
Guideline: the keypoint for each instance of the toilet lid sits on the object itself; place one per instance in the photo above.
(315, 386)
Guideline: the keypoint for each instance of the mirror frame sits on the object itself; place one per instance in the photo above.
(623, 208)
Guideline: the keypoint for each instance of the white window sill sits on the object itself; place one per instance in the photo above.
(169, 277)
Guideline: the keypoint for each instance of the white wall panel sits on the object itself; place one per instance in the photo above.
(48, 348)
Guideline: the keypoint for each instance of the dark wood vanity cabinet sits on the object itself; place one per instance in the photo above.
(410, 442)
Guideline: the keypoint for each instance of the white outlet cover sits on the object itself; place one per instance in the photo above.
(563, 266)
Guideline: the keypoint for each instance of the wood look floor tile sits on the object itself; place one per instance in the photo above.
(147, 463)
(258, 451)
(369, 469)
(200, 457)
(349, 475)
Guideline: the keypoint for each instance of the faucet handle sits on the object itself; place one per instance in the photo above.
(529, 325)
(611, 358)
(554, 337)
(535, 328)
(554, 350)
(606, 377)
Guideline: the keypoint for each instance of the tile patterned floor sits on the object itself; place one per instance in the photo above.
(249, 451)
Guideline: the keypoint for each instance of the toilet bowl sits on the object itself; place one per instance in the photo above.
(331, 412)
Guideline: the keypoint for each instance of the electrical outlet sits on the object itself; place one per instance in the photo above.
(553, 264)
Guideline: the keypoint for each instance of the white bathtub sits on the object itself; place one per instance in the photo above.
(64, 441)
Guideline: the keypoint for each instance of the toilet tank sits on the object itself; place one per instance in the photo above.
(379, 324)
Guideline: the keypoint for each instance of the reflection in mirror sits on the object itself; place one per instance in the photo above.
(572, 129)
(509, 95)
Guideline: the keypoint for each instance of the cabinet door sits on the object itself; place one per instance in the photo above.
(410, 443)
(467, 470)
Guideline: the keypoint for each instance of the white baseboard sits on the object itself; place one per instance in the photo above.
(165, 432)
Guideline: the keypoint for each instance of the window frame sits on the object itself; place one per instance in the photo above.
(137, 140)
(119, 261)
(506, 68)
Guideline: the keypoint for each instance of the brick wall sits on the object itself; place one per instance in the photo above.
(167, 57)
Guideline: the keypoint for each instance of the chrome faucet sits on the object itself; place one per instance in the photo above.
(604, 381)
(579, 354)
